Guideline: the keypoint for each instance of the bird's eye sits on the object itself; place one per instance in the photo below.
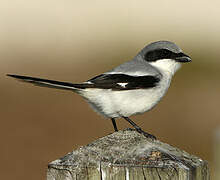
(158, 54)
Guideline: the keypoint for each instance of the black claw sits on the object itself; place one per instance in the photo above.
(147, 135)
(138, 129)
(150, 136)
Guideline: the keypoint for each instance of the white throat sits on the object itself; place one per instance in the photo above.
(167, 65)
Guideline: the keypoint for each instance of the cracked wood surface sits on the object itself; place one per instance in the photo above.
(128, 155)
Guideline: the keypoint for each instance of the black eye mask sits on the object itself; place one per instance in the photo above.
(155, 55)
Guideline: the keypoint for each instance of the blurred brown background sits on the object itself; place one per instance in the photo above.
(76, 40)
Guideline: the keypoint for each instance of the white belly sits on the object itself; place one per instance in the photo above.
(113, 104)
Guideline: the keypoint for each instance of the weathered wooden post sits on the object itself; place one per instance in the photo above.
(128, 155)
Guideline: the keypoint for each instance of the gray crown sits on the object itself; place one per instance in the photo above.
(160, 45)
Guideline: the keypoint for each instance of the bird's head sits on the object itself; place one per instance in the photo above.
(164, 55)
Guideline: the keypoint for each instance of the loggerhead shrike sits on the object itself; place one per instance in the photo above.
(133, 87)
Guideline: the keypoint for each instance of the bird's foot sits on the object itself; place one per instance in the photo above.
(147, 135)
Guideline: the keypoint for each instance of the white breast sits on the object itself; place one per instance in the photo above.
(113, 104)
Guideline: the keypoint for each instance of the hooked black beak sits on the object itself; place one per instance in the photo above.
(182, 58)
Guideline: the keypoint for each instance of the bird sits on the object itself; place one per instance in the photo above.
(131, 88)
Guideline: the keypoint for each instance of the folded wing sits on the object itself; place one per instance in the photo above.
(124, 82)
(103, 81)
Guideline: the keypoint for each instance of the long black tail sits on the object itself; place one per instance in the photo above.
(49, 83)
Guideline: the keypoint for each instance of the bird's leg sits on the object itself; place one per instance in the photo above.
(138, 129)
(114, 124)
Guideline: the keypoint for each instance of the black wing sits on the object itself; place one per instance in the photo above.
(124, 82)
(103, 81)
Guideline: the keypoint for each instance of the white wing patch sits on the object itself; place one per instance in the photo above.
(88, 82)
(122, 84)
